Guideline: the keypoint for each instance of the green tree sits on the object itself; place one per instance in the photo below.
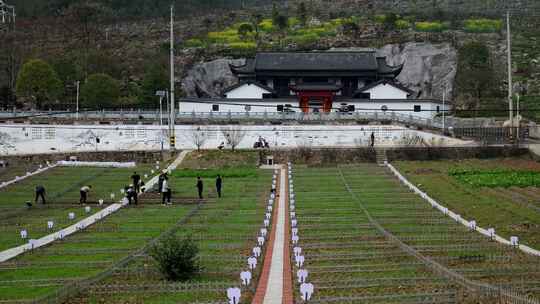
(256, 19)
(38, 81)
(476, 78)
(390, 21)
(282, 23)
(100, 91)
(177, 259)
(155, 79)
(302, 13)
(244, 30)
(275, 13)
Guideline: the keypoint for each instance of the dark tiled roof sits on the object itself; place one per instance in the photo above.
(316, 61)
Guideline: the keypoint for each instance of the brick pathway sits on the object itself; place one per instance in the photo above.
(275, 283)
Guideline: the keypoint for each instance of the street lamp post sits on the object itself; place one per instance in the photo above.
(161, 94)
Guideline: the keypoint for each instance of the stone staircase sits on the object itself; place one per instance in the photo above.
(380, 154)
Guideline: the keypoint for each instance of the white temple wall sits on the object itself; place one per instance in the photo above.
(36, 139)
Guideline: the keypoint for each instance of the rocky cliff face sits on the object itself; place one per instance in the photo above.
(209, 79)
(428, 67)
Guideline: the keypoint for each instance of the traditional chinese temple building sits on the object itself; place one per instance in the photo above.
(318, 82)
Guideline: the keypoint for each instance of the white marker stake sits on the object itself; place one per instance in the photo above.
(50, 225)
(252, 263)
(32, 243)
(24, 234)
(113, 195)
(71, 216)
(87, 209)
(257, 251)
(268, 215)
(293, 214)
(294, 223)
(472, 225)
(295, 239)
(234, 295)
(297, 251)
(101, 202)
(245, 276)
(514, 241)
(266, 223)
(306, 291)
(264, 231)
(302, 275)
(269, 208)
(260, 240)
(146, 176)
(299, 260)
(491, 232)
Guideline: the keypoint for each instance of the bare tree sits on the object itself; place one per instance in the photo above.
(198, 137)
(233, 135)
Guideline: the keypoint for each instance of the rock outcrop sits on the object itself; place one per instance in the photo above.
(428, 67)
(209, 79)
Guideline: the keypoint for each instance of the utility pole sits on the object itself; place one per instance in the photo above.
(509, 53)
(172, 114)
(443, 107)
(8, 16)
(78, 85)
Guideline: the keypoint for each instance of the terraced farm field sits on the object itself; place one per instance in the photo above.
(62, 185)
(225, 230)
(510, 210)
(367, 239)
(86, 253)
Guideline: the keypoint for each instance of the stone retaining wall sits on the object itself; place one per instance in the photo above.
(344, 156)
(114, 156)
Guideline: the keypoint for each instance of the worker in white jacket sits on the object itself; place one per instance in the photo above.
(165, 192)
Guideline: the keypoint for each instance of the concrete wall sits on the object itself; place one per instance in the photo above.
(247, 91)
(39, 139)
(386, 91)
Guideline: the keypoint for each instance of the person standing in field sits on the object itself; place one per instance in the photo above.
(161, 178)
(372, 139)
(200, 186)
(166, 192)
(219, 182)
(136, 178)
(84, 194)
(40, 193)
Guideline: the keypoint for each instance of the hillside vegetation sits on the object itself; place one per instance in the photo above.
(126, 42)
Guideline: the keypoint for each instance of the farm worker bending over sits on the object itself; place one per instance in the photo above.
(200, 186)
(165, 192)
(84, 194)
(40, 192)
(131, 194)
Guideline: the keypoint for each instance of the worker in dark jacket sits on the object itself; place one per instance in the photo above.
(200, 186)
(219, 182)
(40, 193)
